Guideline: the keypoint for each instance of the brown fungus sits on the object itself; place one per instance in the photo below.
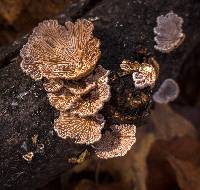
(169, 34)
(63, 100)
(53, 85)
(80, 89)
(129, 66)
(168, 92)
(95, 99)
(117, 142)
(56, 51)
(83, 130)
(145, 76)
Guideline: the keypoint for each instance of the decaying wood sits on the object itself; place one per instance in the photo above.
(25, 113)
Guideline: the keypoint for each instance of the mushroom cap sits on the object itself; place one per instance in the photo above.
(117, 142)
(168, 92)
(145, 76)
(56, 51)
(96, 98)
(63, 100)
(169, 33)
(83, 130)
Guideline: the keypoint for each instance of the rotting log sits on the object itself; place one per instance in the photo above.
(26, 118)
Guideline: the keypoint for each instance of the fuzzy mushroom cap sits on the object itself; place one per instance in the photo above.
(55, 51)
(168, 32)
(117, 142)
(145, 76)
(83, 130)
(168, 92)
(95, 99)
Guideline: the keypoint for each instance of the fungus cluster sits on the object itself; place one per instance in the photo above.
(65, 57)
(144, 74)
(169, 33)
(168, 92)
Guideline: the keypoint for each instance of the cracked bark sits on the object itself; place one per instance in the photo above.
(122, 26)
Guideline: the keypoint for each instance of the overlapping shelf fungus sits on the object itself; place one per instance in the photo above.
(66, 57)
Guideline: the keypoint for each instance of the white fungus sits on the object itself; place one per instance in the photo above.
(169, 34)
(168, 92)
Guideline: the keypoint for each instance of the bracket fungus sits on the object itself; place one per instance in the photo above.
(116, 142)
(78, 88)
(63, 100)
(85, 130)
(56, 51)
(144, 74)
(169, 33)
(95, 99)
(83, 98)
(168, 92)
(53, 85)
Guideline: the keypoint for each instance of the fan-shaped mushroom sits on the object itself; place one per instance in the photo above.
(116, 142)
(55, 51)
(83, 130)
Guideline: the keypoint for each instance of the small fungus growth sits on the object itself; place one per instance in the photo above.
(144, 74)
(85, 130)
(168, 92)
(169, 33)
(28, 157)
(116, 142)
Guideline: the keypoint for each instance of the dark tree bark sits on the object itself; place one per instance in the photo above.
(123, 27)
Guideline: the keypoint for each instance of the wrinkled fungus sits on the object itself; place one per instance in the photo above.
(83, 130)
(80, 89)
(94, 101)
(116, 142)
(56, 51)
(53, 85)
(63, 100)
(168, 92)
(169, 34)
(83, 98)
(144, 74)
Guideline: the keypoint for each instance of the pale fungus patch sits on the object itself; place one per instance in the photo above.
(169, 33)
(144, 74)
(83, 130)
(168, 92)
(28, 157)
(116, 142)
